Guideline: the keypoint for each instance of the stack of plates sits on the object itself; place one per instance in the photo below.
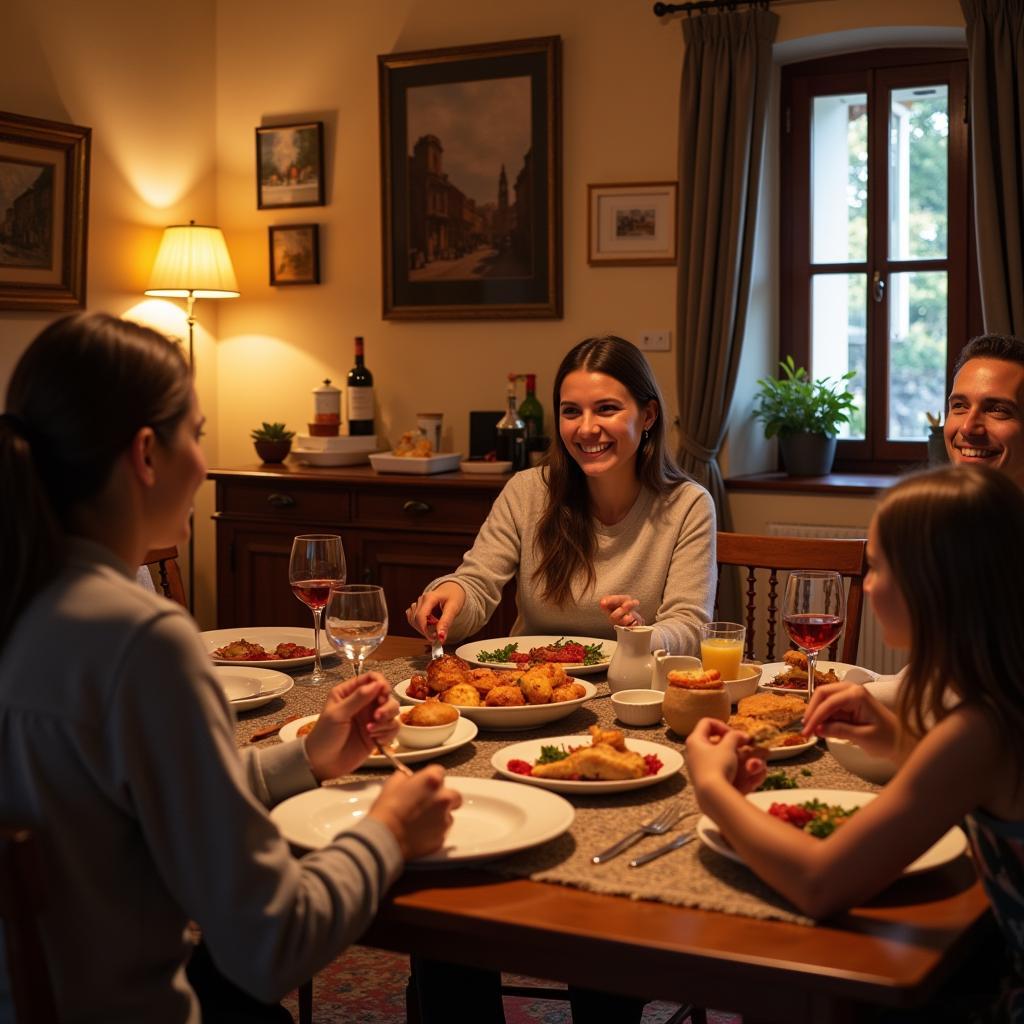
(333, 451)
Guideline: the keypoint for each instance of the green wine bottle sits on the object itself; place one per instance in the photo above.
(531, 412)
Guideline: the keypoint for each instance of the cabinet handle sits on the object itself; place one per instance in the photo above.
(280, 500)
(416, 507)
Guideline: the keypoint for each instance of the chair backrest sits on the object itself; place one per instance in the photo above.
(22, 894)
(772, 555)
(163, 563)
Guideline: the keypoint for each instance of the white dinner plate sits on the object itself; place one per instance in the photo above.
(529, 751)
(247, 687)
(269, 637)
(496, 818)
(855, 673)
(471, 652)
(464, 732)
(785, 753)
(528, 716)
(942, 851)
(308, 457)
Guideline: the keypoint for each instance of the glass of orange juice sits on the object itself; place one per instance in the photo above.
(721, 647)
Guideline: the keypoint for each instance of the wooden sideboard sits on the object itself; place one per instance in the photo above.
(399, 531)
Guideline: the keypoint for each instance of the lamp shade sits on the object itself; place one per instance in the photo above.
(193, 260)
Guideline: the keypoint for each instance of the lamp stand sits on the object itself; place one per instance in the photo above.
(190, 301)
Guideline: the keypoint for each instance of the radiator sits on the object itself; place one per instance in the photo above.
(872, 652)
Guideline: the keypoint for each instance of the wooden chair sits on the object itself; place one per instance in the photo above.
(773, 555)
(22, 896)
(163, 565)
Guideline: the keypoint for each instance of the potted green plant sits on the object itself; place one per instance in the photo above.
(272, 441)
(804, 414)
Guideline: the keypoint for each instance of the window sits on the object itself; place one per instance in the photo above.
(877, 259)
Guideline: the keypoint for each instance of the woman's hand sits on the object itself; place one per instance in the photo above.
(357, 714)
(846, 711)
(621, 610)
(417, 810)
(713, 750)
(441, 605)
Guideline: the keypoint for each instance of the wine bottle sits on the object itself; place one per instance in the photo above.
(360, 395)
(530, 410)
(510, 430)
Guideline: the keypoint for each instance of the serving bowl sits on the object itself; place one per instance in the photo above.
(857, 760)
(638, 707)
(419, 736)
(745, 684)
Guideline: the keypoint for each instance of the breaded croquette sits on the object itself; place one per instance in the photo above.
(446, 671)
(504, 697)
(568, 691)
(430, 712)
(464, 694)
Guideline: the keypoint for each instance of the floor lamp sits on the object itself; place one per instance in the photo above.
(192, 263)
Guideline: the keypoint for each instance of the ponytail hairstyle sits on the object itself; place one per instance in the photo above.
(78, 396)
(952, 539)
(566, 542)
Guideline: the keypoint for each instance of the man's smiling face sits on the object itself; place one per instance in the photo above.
(985, 417)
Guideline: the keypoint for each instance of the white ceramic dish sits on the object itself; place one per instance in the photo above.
(362, 443)
(246, 687)
(485, 468)
(465, 731)
(422, 737)
(785, 753)
(470, 652)
(638, 707)
(496, 818)
(853, 758)
(385, 462)
(529, 751)
(846, 673)
(269, 637)
(746, 685)
(314, 458)
(945, 849)
(529, 716)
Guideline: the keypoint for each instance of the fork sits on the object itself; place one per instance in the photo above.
(398, 765)
(657, 826)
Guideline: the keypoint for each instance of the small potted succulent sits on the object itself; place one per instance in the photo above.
(272, 441)
(805, 415)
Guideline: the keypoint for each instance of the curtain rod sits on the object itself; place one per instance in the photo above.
(700, 6)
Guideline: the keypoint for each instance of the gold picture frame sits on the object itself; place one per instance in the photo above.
(632, 224)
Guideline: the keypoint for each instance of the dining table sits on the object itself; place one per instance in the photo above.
(692, 926)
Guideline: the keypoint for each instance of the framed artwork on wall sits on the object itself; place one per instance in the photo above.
(471, 181)
(44, 212)
(632, 224)
(290, 165)
(294, 254)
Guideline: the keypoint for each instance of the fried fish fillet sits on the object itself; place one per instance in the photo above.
(607, 759)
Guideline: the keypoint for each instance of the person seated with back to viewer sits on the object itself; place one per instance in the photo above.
(984, 427)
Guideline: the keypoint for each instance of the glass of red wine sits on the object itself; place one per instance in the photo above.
(317, 564)
(814, 613)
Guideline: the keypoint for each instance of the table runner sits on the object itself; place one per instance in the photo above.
(694, 876)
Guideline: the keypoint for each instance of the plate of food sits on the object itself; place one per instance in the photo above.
(603, 762)
(465, 731)
(790, 674)
(264, 646)
(496, 817)
(771, 721)
(247, 687)
(583, 655)
(389, 462)
(498, 698)
(819, 812)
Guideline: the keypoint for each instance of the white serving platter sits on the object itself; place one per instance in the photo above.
(471, 652)
(385, 462)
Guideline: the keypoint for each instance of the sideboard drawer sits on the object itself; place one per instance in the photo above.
(283, 501)
(419, 506)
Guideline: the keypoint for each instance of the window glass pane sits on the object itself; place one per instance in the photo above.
(918, 172)
(839, 178)
(917, 352)
(838, 337)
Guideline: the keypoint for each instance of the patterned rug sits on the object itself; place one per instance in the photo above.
(367, 986)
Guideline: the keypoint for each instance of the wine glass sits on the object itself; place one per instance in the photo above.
(814, 613)
(357, 621)
(317, 564)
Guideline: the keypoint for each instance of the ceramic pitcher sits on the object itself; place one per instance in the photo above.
(632, 663)
(665, 663)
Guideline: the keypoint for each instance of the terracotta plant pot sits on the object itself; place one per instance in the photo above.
(272, 451)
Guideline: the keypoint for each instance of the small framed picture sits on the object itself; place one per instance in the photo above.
(632, 223)
(295, 254)
(290, 165)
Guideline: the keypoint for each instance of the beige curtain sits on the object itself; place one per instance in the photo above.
(995, 56)
(726, 76)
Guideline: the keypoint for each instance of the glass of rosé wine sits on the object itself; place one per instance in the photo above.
(814, 613)
(317, 564)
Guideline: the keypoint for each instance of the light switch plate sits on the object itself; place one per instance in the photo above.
(655, 341)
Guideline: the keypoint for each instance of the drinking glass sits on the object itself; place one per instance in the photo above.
(721, 647)
(814, 613)
(357, 621)
(317, 563)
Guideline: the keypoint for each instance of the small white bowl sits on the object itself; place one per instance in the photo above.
(417, 737)
(745, 685)
(855, 759)
(638, 707)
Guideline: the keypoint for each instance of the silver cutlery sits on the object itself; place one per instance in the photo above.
(398, 765)
(680, 840)
(657, 826)
(436, 649)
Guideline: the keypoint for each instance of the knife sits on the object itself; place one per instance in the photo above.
(645, 858)
(271, 730)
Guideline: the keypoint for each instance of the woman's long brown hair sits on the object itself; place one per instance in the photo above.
(954, 541)
(566, 542)
(79, 394)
